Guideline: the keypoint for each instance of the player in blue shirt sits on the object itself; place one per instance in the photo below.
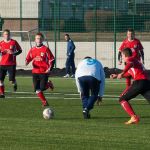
(70, 57)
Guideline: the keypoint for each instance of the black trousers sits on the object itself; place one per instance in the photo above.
(40, 81)
(11, 71)
(138, 87)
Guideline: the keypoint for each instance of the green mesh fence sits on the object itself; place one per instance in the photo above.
(97, 27)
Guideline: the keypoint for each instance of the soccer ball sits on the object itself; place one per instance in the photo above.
(48, 113)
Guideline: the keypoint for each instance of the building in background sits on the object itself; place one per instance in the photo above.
(71, 15)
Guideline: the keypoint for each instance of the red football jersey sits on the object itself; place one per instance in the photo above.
(135, 69)
(135, 45)
(7, 50)
(41, 58)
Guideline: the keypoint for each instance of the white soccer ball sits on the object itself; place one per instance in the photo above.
(48, 113)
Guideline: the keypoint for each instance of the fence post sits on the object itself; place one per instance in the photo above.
(55, 31)
(59, 20)
(42, 15)
(95, 35)
(134, 12)
(114, 33)
(21, 19)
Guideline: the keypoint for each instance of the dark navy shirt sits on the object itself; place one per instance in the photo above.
(70, 47)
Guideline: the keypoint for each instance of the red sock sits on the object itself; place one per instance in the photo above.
(127, 107)
(2, 89)
(42, 97)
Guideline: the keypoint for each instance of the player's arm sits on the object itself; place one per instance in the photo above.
(72, 47)
(51, 60)
(128, 80)
(29, 57)
(119, 53)
(125, 73)
(2, 52)
(18, 49)
(140, 47)
(102, 85)
(0, 49)
(142, 55)
(77, 75)
(119, 58)
(78, 87)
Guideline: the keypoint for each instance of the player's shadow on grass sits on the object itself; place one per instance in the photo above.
(92, 118)
(108, 118)
(101, 105)
(134, 104)
(146, 117)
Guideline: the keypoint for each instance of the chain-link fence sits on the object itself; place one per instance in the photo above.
(97, 27)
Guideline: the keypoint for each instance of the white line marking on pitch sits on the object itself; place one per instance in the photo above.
(73, 98)
(65, 94)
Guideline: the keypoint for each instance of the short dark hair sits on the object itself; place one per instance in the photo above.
(87, 57)
(6, 30)
(40, 34)
(131, 30)
(127, 52)
(67, 35)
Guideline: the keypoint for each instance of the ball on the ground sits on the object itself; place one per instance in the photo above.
(48, 113)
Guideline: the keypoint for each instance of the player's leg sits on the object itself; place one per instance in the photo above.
(36, 83)
(85, 91)
(67, 68)
(44, 86)
(146, 93)
(134, 90)
(12, 76)
(128, 84)
(94, 85)
(3, 71)
(49, 85)
(83, 81)
(73, 66)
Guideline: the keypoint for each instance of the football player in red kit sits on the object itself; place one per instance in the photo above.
(42, 62)
(140, 85)
(137, 51)
(134, 44)
(9, 49)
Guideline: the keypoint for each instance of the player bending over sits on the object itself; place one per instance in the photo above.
(9, 49)
(140, 85)
(42, 62)
(90, 81)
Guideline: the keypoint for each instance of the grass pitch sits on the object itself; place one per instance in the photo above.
(23, 128)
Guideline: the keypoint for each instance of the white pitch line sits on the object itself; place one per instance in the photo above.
(26, 92)
(23, 97)
(58, 93)
(68, 94)
(30, 97)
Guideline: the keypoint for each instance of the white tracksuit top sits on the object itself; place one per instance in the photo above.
(91, 67)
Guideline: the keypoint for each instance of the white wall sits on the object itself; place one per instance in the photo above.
(105, 52)
(11, 8)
